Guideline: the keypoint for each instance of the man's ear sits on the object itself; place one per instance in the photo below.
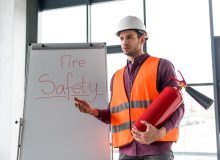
(142, 38)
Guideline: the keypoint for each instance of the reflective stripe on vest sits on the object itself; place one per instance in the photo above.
(122, 117)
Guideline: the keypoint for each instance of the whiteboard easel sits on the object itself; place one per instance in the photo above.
(53, 129)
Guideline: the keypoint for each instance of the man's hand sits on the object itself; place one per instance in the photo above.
(84, 107)
(151, 134)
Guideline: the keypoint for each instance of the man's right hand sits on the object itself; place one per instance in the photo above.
(84, 107)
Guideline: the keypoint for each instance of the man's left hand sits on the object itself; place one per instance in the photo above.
(151, 134)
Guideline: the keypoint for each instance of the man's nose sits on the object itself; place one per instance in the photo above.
(124, 41)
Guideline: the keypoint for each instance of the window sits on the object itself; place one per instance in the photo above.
(105, 17)
(180, 32)
(216, 13)
(197, 129)
(63, 25)
(115, 62)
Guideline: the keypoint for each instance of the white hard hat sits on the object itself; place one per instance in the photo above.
(130, 22)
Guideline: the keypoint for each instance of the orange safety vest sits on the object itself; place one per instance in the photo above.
(124, 112)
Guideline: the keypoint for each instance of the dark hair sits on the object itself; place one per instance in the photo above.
(139, 32)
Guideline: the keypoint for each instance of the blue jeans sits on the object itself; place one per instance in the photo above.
(162, 156)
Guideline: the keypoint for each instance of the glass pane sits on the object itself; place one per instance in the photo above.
(62, 25)
(115, 62)
(216, 19)
(180, 31)
(105, 18)
(197, 129)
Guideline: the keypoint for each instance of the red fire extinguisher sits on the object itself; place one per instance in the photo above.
(161, 108)
(167, 102)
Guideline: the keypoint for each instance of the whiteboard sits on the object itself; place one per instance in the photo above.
(53, 128)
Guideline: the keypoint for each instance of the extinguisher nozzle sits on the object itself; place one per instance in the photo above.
(203, 100)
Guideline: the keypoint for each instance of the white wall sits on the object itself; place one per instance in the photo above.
(12, 61)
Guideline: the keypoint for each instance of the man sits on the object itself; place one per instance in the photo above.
(141, 80)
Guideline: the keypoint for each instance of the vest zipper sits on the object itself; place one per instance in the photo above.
(129, 99)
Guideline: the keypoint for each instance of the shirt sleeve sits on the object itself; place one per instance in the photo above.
(166, 72)
(104, 115)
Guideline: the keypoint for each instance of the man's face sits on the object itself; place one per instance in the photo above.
(130, 43)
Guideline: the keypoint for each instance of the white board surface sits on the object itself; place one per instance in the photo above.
(53, 127)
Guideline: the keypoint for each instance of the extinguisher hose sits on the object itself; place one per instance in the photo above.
(181, 83)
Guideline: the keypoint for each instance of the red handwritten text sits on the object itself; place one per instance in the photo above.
(66, 61)
(49, 88)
